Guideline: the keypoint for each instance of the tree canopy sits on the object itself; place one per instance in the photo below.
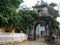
(54, 14)
(22, 20)
(8, 13)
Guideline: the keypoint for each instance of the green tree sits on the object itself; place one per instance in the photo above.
(54, 14)
(27, 19)
(8, 15)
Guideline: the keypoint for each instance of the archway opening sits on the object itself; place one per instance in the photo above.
(39, 30)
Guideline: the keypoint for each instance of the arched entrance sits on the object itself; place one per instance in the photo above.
(43, 21)
(39, 30)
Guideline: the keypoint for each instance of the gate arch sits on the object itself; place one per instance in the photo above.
(35, 25)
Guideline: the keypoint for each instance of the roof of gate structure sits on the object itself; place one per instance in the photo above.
(40, 6)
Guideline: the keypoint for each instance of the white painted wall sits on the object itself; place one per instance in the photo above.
(17, 37)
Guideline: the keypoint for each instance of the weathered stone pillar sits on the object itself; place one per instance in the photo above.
(34, 34)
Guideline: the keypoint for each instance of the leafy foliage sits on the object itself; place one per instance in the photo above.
(22, 20)
(54, 14)
(52, 11)
(8, 15)
(27, 19)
